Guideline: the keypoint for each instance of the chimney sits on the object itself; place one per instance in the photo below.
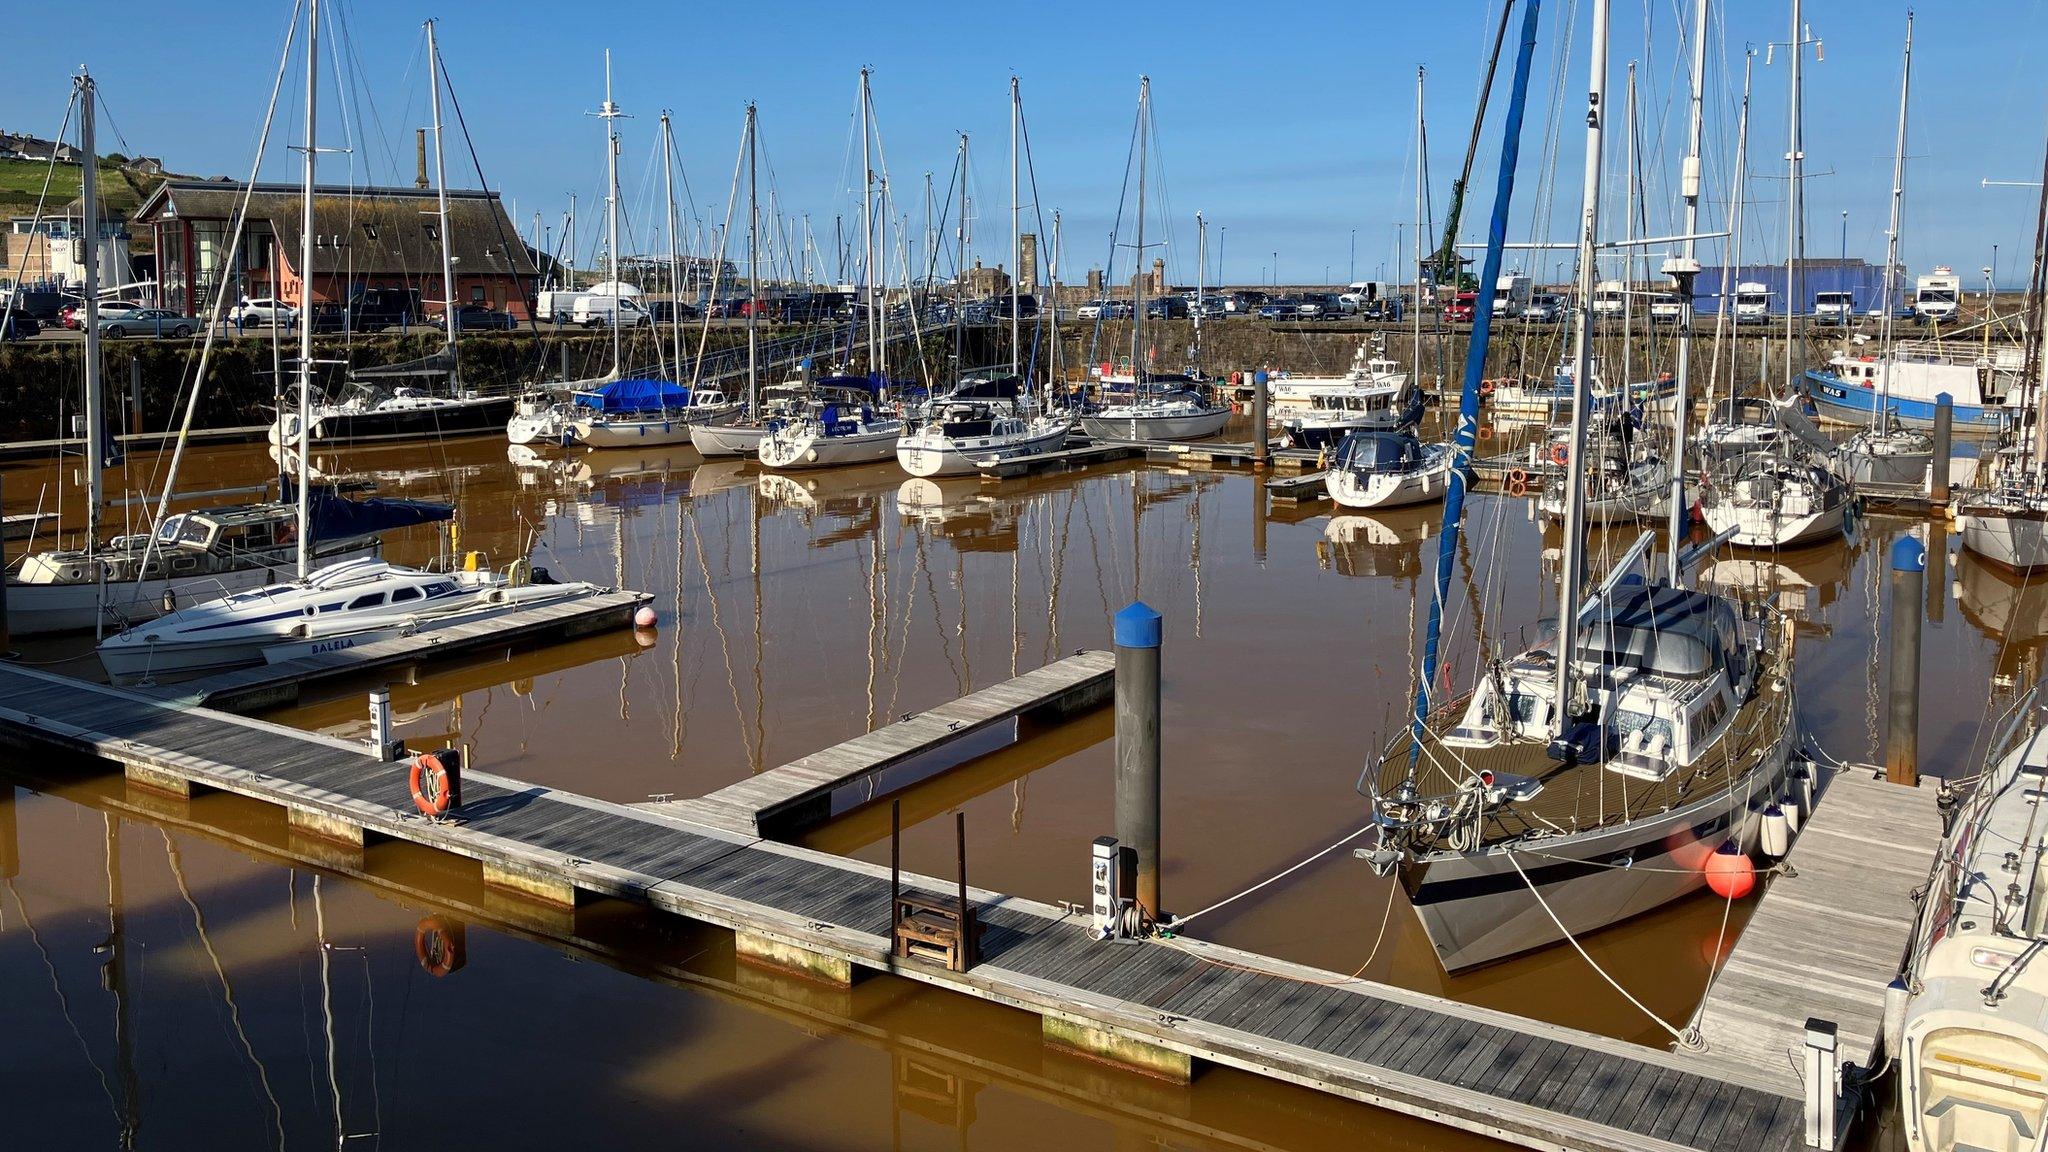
(419, 180)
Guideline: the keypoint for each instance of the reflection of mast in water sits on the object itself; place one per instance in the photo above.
(114, 978)
(63, 1001)
(227, 989)
(760, 744)
(1195, 556)
(675, 643)
(724, 641)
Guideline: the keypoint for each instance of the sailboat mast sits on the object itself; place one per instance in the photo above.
(867, 224)
(1891, 243)
(675, 264)
(1052, 280)
(1628, 232)
(611, 205)
(1138, 281)
(441, 208)
(95, 421)
(1732, 297)
(1421, 168)
(1795, 209)
(312, 164)
(753, 269)
(1686, 267)
(1201, 260)
(1016, 233)
(1573, 570)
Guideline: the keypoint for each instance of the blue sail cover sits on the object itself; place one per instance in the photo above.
(645, 395)
(338, 517)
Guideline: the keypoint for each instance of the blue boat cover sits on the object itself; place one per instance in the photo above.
(643, 395)
(338, 517)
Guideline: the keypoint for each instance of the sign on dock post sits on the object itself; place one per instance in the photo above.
(1819, 1075)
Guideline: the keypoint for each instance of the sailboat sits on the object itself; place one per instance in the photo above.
(193, 556)
(1888, 452)
(336, 607)
(1156, 408)
(1590, 777)
(374, 411)
(742, 436)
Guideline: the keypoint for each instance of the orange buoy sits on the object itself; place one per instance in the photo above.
(1729, 872)
(1486, 431)
(436, 780)
(1518, 476)
(1560, 455)
(1486, 387)
(438, 945)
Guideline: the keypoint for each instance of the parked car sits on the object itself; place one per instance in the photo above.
(20, 327)
(1092, 310)
(1462, 308)
(1280, 308)
(147, 322)
(604, 311)
(73, 314)
(1320, 306)
(262, 312)
(670, 311)
(477, 318)
(1211, 308)
(375, 309)
(1544, 308)
(1166, 308)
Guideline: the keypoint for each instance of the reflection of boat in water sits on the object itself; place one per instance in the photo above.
(2006, 607)
(1389, 544)
(960, 511)
(1806, 583)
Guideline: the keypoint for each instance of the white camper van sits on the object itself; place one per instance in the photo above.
(601, 311)
(1938, 296)
(1511, 295)
(1752, 303)
(1610, 300)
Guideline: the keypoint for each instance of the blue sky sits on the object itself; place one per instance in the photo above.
(1289, 128)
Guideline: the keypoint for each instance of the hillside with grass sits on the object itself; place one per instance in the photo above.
(121, 191)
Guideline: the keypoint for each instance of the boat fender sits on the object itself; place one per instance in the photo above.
(1730, 874)
(436, 780)
(1775, 833)
(1517, 487)
(439, 945)
(518, 574)
(1794, 816)
(1518, 476)
(1896, 996)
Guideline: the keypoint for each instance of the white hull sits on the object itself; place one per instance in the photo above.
(1390, 489)
(1303, 392)
(48, 609)
(648, 432)
(2019, 542)
(538, 428)
(796, 449)
(927, 452)
(727, 439)
(1194, 426)
(1770, 527)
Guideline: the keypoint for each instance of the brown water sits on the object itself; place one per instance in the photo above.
(796, 613)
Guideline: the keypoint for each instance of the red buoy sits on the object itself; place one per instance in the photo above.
(1729, 873)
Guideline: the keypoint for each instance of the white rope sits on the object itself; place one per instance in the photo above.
(1686, 1039)
(1180, 920)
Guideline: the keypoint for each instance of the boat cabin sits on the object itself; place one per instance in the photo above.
(1366, 452)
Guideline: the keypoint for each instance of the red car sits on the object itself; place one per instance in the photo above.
(1462, 307)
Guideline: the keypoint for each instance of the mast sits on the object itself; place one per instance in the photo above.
(1582, 360)
(609, 113)
(1628, 232)
(1735, 198)
(675, 266)
(753, 270)
(867, 223)
(441, 209)
(95, 431)
(312, 164)
(1795, 209)
(1052, 280)
(2035, 450)
(1475, 370)
(1201, 258)
(1891, 244)
(1685, 268)
(1016, 233)
(1138, 281)
(1421, 168)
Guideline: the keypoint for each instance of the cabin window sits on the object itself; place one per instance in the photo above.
(185, 564)
(433, 233)
(370, 600)
(440, 588)
(404, 594)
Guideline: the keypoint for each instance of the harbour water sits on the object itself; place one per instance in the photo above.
(186, 978)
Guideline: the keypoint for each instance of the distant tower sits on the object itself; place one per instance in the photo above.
(1095, 281)
(1027, 263)
(1158, 287)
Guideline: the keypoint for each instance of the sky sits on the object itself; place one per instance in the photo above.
(1291, 130)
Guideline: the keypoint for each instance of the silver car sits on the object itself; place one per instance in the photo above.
(148, 322)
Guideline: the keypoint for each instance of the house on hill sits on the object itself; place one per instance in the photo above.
(364, 238)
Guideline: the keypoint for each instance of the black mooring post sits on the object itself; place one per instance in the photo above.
(895, 861)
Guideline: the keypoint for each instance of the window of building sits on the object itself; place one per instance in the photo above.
(476, 294)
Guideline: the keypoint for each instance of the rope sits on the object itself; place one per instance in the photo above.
(1689, 1039)
(1180, 920)
(1386, 916)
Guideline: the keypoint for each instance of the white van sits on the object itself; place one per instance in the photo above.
(1610, 300)
(556, 305)
(1752, 303)
(1834, 307)
(596, 311)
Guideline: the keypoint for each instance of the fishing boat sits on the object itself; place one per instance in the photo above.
(1982, 385)
(644, 413)
(1973, 1047)
(1387, 470)
(1332, 414)
(1596, 774)
(1371, 371)
(336, 608)
(977, 423)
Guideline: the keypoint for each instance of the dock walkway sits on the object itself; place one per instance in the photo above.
(1853, 866)
(799, 794)
(1161, 1003)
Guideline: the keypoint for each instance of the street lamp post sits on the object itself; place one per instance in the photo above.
(1276, 269)
(1222, 234)
(1845, 235)
(1354, 254)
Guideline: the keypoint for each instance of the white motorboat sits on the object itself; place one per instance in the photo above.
(1894, 456)
(1388, 470)
(834, 435)
(1776, 501)
(1617, 490)
(1370, 371)
(1181, 414)
(1331, 415)
(338, 607)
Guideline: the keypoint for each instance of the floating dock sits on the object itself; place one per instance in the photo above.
(1162, 1006)
(276, 685)
(1306, 488)
(1854, 866)
(800, 794)
(1061, 460)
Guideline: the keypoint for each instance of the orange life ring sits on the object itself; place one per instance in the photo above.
(1518, 486)
(1486, 431)
(438, 945)
(1560, 455)
(434, 784)
(1518, 476)
(1486, 387)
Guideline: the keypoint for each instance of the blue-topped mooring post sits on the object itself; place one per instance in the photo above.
(1902, 737)
(1259, 446)
(1137, 634)
(1944, 429)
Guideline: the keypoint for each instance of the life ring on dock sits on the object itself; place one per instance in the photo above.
(1560, 455)
(1517, 485)
(436, 780)
(1486, 431)
(1486, 387)
(439, 946)
(1518, 476)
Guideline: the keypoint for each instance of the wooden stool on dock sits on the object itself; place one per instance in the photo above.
(932, 928)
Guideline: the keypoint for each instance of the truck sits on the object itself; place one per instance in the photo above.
(1937, 296)
(1834, 307)
(1511, 294)
(556, 305)
(1610, 300)
(1752, 303)
(1364, 295)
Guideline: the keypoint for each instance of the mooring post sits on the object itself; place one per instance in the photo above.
(1137, 633)
(10, 836)
(1944, 429)
(1819, 1076)
(380, 722)
(135, 395)
(1902, 738)
(6, 638)
(1259, 446)
(966, 943)
(1937, 568)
